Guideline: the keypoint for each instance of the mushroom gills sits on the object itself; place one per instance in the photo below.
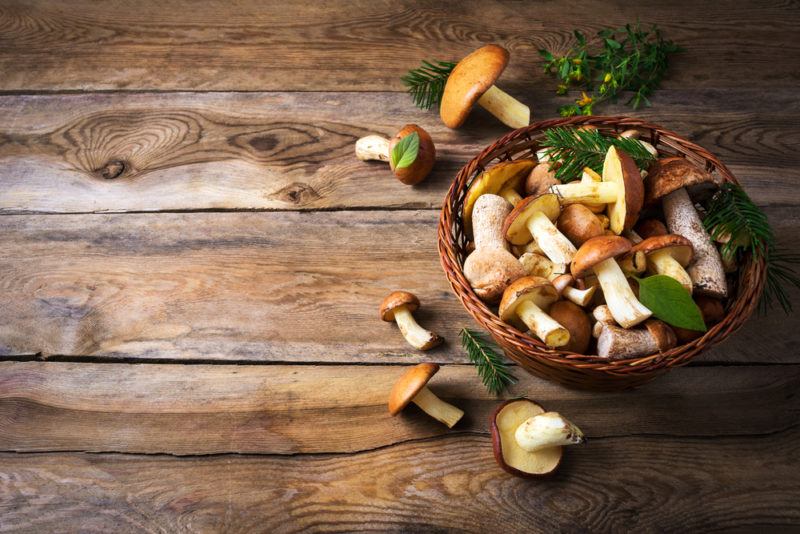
(547, 430)
(552, 242)
(545, 327)
(372, 148)
(505, 107)
(621, 301)
(662, 262)
(416, 336)
(437, 408)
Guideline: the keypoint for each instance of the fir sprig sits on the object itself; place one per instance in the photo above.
(492, 369)
(734, 219)
(571, 149)
(426, 83)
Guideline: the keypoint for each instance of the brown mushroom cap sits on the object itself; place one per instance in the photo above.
(472, 77)
(396, 299)
(670, 174)
(540, 179)
(596, 250)
(408, 385)
(650, 227)
(535, 289)
(492, 181)
(713, 312)
(509, 455)
(515, 226)
(574, 319)
(662, 334)
(631, 180)
(579, 224)
(678, 246)
(426, 156)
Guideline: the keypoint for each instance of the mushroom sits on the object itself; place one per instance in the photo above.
(538, 265)
(597, 255)
(564, 285)
(531, 246)
(579, 224)
(528, 441)
(533, 217)
(522, 303)
(472, 80)
(376, 147)
(621, 189)
(634, 134)
(635, 261)
(540, 179)
(503, 179)
(649, 228)
(602, 316)
(617, 343)
(398, 306)
(668, 180)
(668, 255)
(589, 176)
(490, 268)
(574, 319)
(712, 311)
(412, 387)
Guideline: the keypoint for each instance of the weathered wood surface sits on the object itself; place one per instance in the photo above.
(287, 151)
(364, 45)
(279, 286)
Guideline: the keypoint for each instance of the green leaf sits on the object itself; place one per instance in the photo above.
(670, 302)
(405, 151)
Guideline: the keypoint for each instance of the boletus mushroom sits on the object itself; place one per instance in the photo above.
(527, 440)
(503, 179)
(565, 285)
(399, 306)
(579, 224)
(668, 255)
(540, 179)
(524, 301)
(379, 148)
(574, 319)
(472, 80)
(412, 387)
(617, 343)
(533, 218)
(712, 311)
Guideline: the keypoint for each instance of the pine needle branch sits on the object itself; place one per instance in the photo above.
(426, 83)
(493, 370)
(571, 149)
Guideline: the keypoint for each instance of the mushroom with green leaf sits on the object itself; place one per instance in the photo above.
(411, 153)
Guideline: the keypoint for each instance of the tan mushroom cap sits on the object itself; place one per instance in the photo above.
(662, 334)
(596, 250)
(396, 299)
(535, 289)
(678, 246)
(492, 181)
(515, 226)
(579, 224)
(540, 179)
(670, 174)
(574, 319)
(426, 156)
(408, 385)
(472, 77)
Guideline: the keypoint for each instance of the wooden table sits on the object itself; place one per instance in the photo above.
(192, 260)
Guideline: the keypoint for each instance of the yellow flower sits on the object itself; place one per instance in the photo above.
(607, 77)
(576, 61)
(585, 101)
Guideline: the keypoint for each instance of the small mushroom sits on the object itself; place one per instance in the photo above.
(650, 228)
(602, 316)
(523, 302)
(575, 320)
(376, 147)
(564, 284)
(533, 218)
(712, 311)
(491, 268)
(668, 255)
(538, 265)
(621, 189)
(579, 224)
(399, 306)
(598, 255)
(472, 80)
(617, 343)
(528, 441)
(503, 179)
(532, 246)
(668, 180)
(412, 387)
(540, 179)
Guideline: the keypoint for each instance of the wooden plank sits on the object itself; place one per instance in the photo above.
(285, 286)
(286, 409)
(363, 45)
(287, 151)
(639, 483)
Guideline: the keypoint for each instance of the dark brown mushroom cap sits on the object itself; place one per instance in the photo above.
(596, 250)
(396, 299)
(528, 288)
(507, 453)
(713, 312)
(579, 224)
(670, 174)
(662, 334)
(492, 181)
(679, 247)
(408, 385)
(634, 190)
(515, 226)
(574, 319)
(650, 227)
(472, 77)
(426, 156)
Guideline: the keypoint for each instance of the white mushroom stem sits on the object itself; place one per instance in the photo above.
(417, 337)
(581, 297)
(553, 243)
(437, 408)
(618, 343)
(602, 316)
(662, 262)
(547, 430)
(545, 327)
(706, 271)
(587, 192)
(372, 147)
(511, 195)
(505, 107)
(621, 301)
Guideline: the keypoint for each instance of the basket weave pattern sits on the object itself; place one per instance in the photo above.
(570, 369)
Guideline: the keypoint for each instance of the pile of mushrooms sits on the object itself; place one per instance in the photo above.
(558, 260)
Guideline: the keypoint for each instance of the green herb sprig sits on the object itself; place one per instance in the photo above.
(733, 217)
(426, 83)
(621, 59)
(492, 368)
(575, 149)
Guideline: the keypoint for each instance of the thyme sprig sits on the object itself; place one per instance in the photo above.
(492, 368)
(426, 83)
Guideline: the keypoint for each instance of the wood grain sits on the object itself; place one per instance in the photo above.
(287, 286)
(290, 409)
(639, 483)
(252, 45)
(290, 151)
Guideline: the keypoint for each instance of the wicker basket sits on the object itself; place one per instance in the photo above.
(570, 369)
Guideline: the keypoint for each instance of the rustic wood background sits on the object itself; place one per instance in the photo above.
(192, 260)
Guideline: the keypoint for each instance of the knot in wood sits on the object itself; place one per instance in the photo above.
(112, 169)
